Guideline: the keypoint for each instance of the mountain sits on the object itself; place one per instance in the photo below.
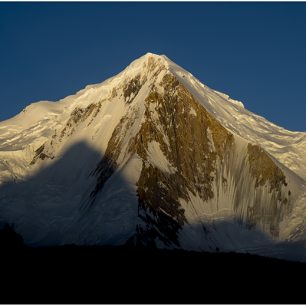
(153, 157)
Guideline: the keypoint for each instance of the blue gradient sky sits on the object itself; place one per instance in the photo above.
(255, 52)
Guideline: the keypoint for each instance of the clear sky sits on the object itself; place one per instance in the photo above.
(255, 52)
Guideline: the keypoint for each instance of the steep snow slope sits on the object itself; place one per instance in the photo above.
(286, 146)
(151, 156)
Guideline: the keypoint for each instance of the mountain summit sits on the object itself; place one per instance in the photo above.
(153, 157)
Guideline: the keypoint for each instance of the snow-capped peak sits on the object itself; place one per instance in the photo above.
(44, 116)
(150, 153)
(149, 55)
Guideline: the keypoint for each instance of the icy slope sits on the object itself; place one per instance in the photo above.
(286, 146)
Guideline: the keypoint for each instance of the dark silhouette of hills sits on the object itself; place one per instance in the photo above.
(74, 274)
(9, 239)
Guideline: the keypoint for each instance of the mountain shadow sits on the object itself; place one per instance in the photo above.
(83, 198)
(52, 197)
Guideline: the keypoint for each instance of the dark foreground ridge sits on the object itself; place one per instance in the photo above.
(73, 274)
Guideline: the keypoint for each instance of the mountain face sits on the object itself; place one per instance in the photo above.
(153, 157)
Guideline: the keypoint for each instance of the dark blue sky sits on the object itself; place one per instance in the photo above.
(255, 52)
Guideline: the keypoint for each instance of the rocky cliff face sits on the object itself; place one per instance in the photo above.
(160, 170)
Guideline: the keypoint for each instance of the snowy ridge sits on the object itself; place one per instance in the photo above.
(286, 146)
